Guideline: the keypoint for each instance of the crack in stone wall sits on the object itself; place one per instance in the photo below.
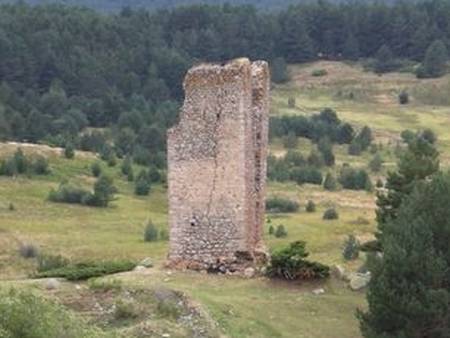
(217, 166)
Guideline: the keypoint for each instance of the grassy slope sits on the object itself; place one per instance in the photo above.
(243, 308)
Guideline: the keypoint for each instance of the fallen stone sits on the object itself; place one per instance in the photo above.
(140, 268)
(146, 263)
(249, 272)
(318, 292)
(338, 271)
(359, 281)
(52, 284)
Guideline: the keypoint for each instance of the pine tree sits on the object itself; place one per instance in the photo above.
(279, 70)
(330, 182)
(384, 60)
(435, 62)
(351, 48)
(409, 292)
(420, 161)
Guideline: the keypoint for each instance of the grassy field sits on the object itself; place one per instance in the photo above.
(240, 307)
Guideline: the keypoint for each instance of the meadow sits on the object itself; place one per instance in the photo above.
(239, 307)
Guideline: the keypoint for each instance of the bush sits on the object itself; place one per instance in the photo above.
(291, 102)
(11, 207)
(271, 230)
(142, 186)
(86, 270)
(25, 315)
(371, 246)
(310, 206)
(403, 97)
(350, 250)
(40, 166)
(69, 151)
(50, 262)
(379, 183)
(290, 263)
(354, 179)
(126, 166)
(67, 193)
(125, 310)
(319, 72)
(281, 232)
(330, 214)
(105, 285)
(307, 175)
(28, 250)
(330, 183)
(278, 204)
(150, 232)
(290, 141)
(96, 169)
(376, 164)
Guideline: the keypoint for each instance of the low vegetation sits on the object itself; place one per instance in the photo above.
(290, 263)
(281, 205)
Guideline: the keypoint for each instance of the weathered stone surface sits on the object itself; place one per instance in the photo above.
(217, 167)
(359, 281)
(52, 284)
(338, 271)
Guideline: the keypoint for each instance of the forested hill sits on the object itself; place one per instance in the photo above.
(63, 69)
(116, 5)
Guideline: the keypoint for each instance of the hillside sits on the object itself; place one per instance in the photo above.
(116, 5)
(228, 306)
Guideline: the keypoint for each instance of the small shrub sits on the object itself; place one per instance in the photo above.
(69, 151)
(278, 204)
(26, 315)
(40, 166)
(130, 176)
(67, 193)
(330, 214)
(310, 206)
(126, 166)
(376, 164)
(28, 250)
(350, 250)
(319, 72)
(403, 97)
(379, 183)
(164, 235)
(142, 185)
(290, 263)
(281, 232)
(271, 230)
(105, 285)
(112, 161)
(11, 207)
(168, 308)
(96, 169)
(125, 310)
(50, 262)
(290, 141)
(151, 232)
(330, 183)
(291, 102)
(86, 270)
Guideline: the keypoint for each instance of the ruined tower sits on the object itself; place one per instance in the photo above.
(217, 166)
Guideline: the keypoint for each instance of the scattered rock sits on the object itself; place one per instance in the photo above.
(146, 263)
(249, 272)
(318, 292)
(359, 281)
(52, 284)
(166, 335)
(338, 271)
(140, 268)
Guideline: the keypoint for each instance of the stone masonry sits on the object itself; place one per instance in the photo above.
(217, 167)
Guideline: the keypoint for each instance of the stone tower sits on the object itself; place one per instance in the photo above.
(217, 167)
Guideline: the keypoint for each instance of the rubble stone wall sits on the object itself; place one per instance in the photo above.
(217, 165)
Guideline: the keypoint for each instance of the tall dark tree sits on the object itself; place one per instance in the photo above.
(435, 62)
(409, 294)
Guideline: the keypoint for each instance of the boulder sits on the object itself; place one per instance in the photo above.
(249, 272)
(338, 271)
(146, 263)
(359, 281)
(52, 284)
(318, 292)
